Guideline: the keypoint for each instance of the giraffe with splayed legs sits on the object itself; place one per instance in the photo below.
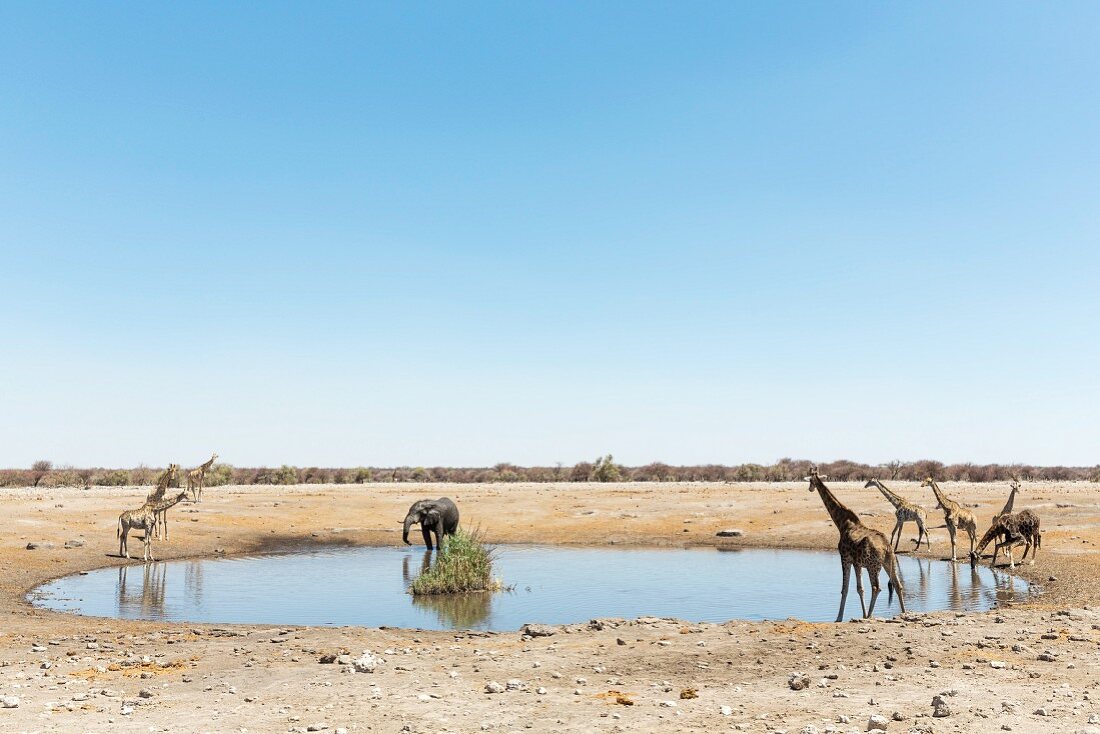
(955, 515)
(860, 547)
(904, 511)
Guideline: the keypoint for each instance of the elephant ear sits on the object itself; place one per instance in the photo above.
(431, 516)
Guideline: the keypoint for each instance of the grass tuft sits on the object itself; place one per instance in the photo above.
(464, 563)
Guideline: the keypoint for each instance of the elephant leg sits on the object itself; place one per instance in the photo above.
(427, 533)
(845, 570)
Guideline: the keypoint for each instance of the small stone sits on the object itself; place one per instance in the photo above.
(541, 691)
(808, 729)
(74, 543)
(365, 663)
(321, 726)
(668, 704)
(877, 721)
(538, 630)
(997, 664)
(423, 698)
(940, 709)
(798, 681)
(9, 702)
(494, 687)
(725, 710)
(515, 684)
(147, 693)
(729, 533)
(1041, 712)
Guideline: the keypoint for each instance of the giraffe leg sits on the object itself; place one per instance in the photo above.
(899, 529)
(923, 534)
(845, 568)
(859, 588)
(951, 532)
(122, 551)
(872, 574)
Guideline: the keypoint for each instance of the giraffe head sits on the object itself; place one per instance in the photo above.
(815, 479)
(927, 482)
(1015, 483)
(871, 483)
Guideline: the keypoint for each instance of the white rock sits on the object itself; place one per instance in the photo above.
(877, 721)
(668, 704)
(9, 702)
(998, 664)
(494, 687)
(515, 684)
(725, 710)
(365, 663)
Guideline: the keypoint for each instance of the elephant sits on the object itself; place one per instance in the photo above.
(439, 516)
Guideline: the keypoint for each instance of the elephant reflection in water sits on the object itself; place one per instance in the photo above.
(148, 601)
(455, 611)
(406, 570)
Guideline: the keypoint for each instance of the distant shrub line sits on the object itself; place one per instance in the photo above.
(604, 469)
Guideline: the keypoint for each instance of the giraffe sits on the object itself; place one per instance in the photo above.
(1010, 531)
(860, 547)
(955, 515)
(905, 511)
(145, 517)
(1007, 509)
(196, 477)
(163, 481)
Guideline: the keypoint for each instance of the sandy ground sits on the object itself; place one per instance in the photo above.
(994, 670)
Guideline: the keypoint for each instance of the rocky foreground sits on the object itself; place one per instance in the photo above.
(1028, 668)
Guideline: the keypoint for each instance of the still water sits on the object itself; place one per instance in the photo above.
(552, 585)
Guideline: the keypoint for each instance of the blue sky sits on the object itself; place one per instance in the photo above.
(463, 233)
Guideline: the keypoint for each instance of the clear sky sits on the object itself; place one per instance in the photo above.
(464, 233)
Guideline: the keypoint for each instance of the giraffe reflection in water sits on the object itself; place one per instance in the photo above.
(148, 598)
(468, 610)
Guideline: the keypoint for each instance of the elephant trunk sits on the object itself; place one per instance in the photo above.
(409, 520)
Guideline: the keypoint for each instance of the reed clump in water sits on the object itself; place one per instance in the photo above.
(464, 563)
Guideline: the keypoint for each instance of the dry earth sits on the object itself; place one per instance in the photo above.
(994, 670)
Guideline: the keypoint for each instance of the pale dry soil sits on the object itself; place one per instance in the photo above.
(73, 674)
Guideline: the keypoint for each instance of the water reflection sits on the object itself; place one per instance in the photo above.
(146, 599)
(457, 611)
(406, 562)
(452, 610)
(558, 585)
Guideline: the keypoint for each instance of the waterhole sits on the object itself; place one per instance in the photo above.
(552, 585)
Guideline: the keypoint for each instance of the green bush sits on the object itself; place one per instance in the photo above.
(113, 478)
(218, 475)
(463, 564)
(606, 470)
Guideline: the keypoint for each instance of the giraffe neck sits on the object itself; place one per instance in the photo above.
(1008, 505)
(942, 498)
(892, 498)
(842, 517)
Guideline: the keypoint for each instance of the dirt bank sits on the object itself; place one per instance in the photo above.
(995, 670)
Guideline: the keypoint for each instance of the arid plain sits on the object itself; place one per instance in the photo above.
(1030, 667)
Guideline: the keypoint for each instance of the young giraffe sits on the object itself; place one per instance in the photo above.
(905, 511)
(860, 547)
(196, 478)
(955, 515)
(145, 517)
